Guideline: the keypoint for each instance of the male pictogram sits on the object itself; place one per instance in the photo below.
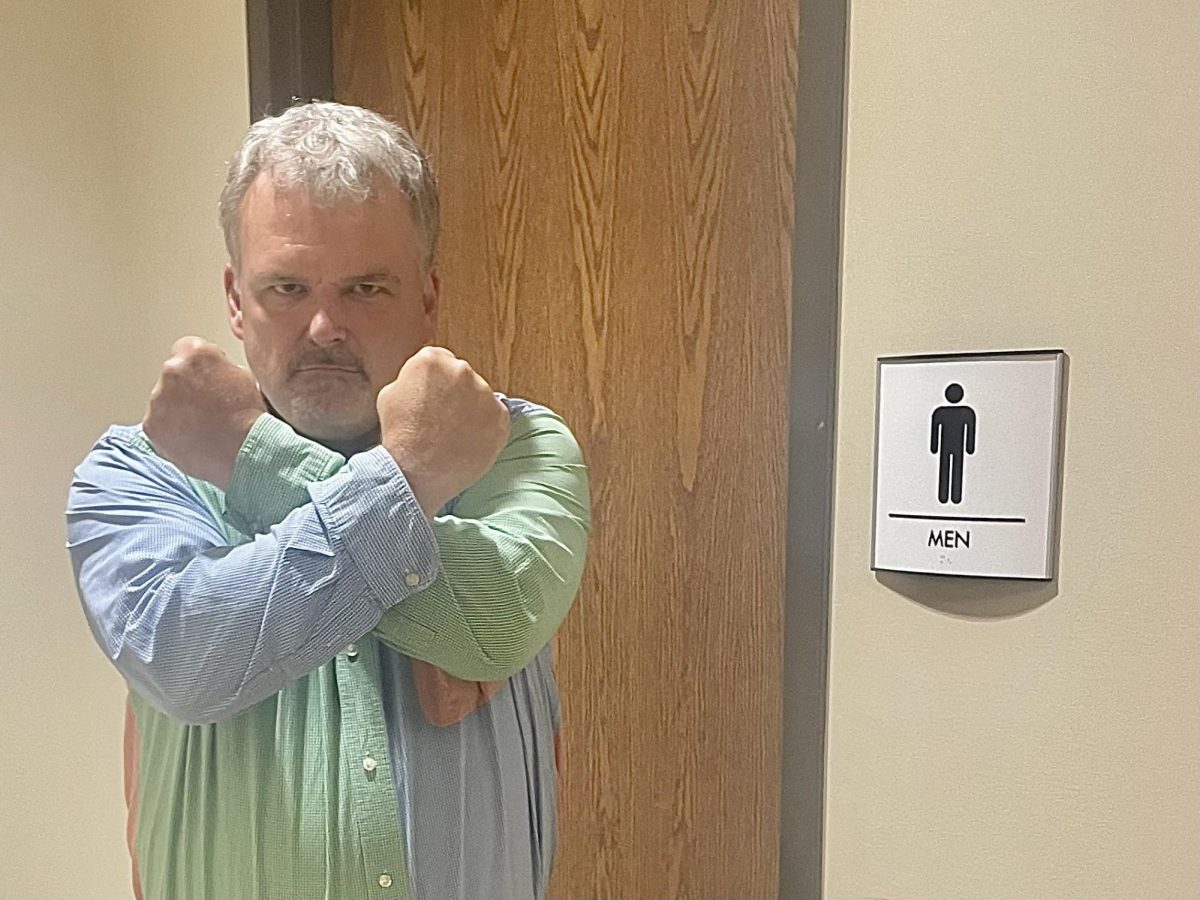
(953, 438)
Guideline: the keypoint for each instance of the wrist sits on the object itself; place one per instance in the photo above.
(423, 487)
(428, 497)
(240, 428)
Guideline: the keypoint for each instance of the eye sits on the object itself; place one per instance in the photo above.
(366, 289)
(288, 288)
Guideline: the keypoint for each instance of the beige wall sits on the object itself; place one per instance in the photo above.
(118, 117)
(1018, 175)
(1025, 175)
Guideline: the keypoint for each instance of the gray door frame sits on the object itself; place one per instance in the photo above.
(816, 293)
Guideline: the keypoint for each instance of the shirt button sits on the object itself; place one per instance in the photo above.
(352, 651)
(413, 579)
(385, 880)
(369, 763)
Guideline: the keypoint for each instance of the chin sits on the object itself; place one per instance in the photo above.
(325, 422)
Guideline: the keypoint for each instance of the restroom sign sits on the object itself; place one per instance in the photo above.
(967, 453)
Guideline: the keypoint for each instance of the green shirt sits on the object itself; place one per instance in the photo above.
(278, 746)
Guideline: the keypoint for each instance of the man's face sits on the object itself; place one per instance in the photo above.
(330, 303)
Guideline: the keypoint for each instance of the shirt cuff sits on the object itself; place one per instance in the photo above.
(271, 475)
(371, 513)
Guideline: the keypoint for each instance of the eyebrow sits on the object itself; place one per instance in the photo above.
(382, 275)
(283, 277)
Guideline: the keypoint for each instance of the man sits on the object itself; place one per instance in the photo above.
(331, 581)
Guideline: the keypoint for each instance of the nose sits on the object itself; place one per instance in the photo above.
(325, 327)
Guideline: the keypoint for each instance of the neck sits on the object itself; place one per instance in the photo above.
(349, 447)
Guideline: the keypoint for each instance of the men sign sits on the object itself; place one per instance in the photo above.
(966, 463)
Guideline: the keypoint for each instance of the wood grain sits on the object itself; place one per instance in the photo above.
(617, 194)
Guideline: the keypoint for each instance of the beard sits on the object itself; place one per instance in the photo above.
(331, 408)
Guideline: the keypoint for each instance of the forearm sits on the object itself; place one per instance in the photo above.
(496, 603)
(204, 630)
(510, 558)
(272, 474)
(206, 638)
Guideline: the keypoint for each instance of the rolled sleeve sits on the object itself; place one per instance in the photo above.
(373, 495)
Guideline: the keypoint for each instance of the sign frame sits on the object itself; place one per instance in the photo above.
(1054, 512)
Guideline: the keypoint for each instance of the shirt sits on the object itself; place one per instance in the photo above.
(279, 746)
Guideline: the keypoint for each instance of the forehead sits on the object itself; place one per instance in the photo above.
(288, 225)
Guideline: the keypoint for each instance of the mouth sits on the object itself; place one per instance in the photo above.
(343, 369)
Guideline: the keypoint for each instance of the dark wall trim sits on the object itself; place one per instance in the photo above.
(816, 277)
(290, 44)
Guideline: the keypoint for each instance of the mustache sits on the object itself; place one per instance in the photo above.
(340, 360)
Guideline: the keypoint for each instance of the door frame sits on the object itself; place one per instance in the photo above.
(812, 441)
(290, 44)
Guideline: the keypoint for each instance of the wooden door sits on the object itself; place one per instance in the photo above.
(617, 186)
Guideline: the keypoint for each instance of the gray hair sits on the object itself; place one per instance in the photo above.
(336, 153)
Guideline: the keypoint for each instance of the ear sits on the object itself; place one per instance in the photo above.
(431, 300)
(234, 298)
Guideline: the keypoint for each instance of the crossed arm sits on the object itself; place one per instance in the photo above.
(204, 629)
(537, 500)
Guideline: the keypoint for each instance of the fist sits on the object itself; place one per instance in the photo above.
(442, 424)
(201, 410)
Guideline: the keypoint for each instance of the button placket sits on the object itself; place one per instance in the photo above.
(372, 791)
